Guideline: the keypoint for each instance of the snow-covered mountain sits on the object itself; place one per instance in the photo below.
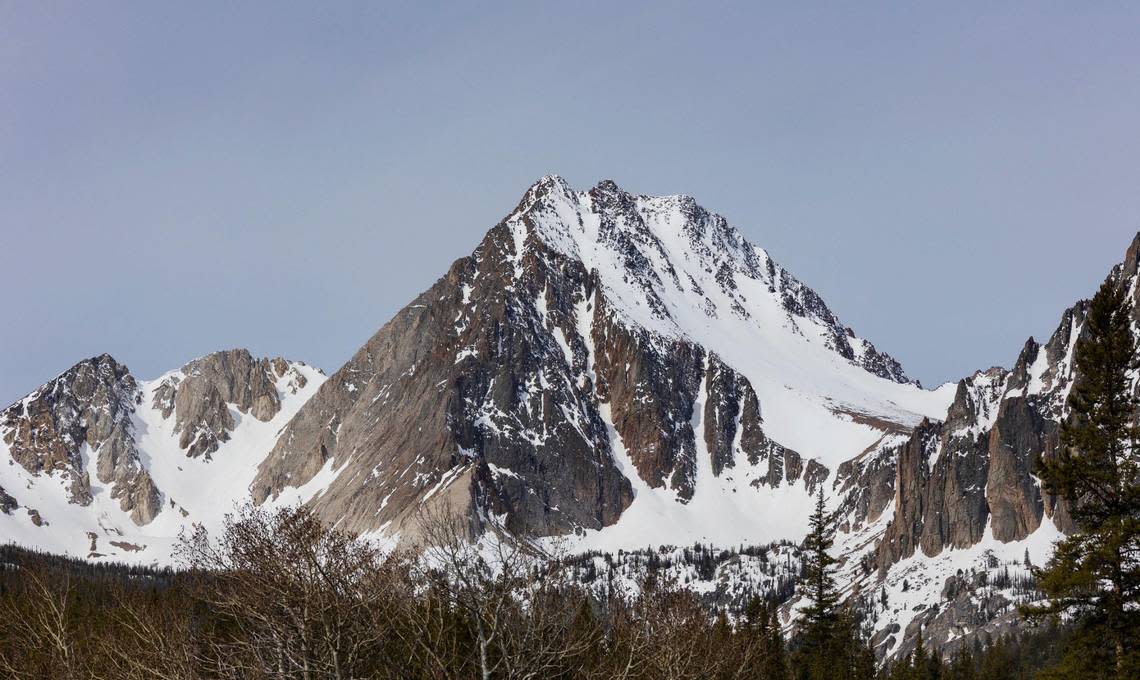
(98, 464)
(622, 371)
(626, 368)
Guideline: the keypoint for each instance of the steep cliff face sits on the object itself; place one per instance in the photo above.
(973, 475)
(595, 341)
(600, 359)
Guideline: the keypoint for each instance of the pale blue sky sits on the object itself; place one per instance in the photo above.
(177, 178)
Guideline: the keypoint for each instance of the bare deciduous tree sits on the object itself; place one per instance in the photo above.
(299, 599)
(42, 629)
(522, 617)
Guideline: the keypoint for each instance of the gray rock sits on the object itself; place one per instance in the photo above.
(85, 411)
(200, 395)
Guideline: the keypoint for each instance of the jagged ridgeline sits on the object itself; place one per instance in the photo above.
(624, 372)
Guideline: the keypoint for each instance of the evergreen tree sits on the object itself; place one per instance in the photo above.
(820, 616)
(935, 667)
(1095, 573)
(918, 659)
(756, 613)
(775, 659)
(830, 643)
(851, 658)
(963, 666)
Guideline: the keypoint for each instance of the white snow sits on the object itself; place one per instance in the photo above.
(916, 583)
(205, 489)
(800, 382)
(813, 400)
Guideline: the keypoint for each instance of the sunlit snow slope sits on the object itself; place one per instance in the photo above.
(666, 265)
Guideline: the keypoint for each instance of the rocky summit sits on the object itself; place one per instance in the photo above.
(624, 372)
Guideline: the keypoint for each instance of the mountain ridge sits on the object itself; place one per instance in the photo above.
(623, 371)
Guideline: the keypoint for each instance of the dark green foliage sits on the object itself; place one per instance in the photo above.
(821, 616)
(830, 644)
(280, 596)
(776, 561)
(1094, 574)
(1029, 656)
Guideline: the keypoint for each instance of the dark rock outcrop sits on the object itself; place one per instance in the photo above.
(467, 396)
(7, 502)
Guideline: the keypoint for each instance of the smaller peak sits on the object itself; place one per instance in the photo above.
(542, 188)
(103, 361)
(607, 191)
(283, 364)
(546, 182)
(107, 365)
(609, 186)
(239, 356)
(991, 372)
(103, 367)
(233, 354)
(1027, 356)
(1132, 256)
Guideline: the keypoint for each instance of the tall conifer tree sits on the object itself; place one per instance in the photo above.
(1095, 573)
(821, 615)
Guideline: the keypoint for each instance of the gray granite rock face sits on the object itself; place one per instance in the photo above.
(951, 484)
(974, 473)
(81, 425)
(725, 393)
(85, 412)
(968, 611)
(866, 486)
(466, 395)
(200, 394)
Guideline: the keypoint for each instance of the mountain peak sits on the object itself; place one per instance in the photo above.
(609, 186)
(1132, 256)
(672, 267)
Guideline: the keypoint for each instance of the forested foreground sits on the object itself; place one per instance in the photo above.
(281, 596)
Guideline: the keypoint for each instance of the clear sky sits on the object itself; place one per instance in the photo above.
(177, 178)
